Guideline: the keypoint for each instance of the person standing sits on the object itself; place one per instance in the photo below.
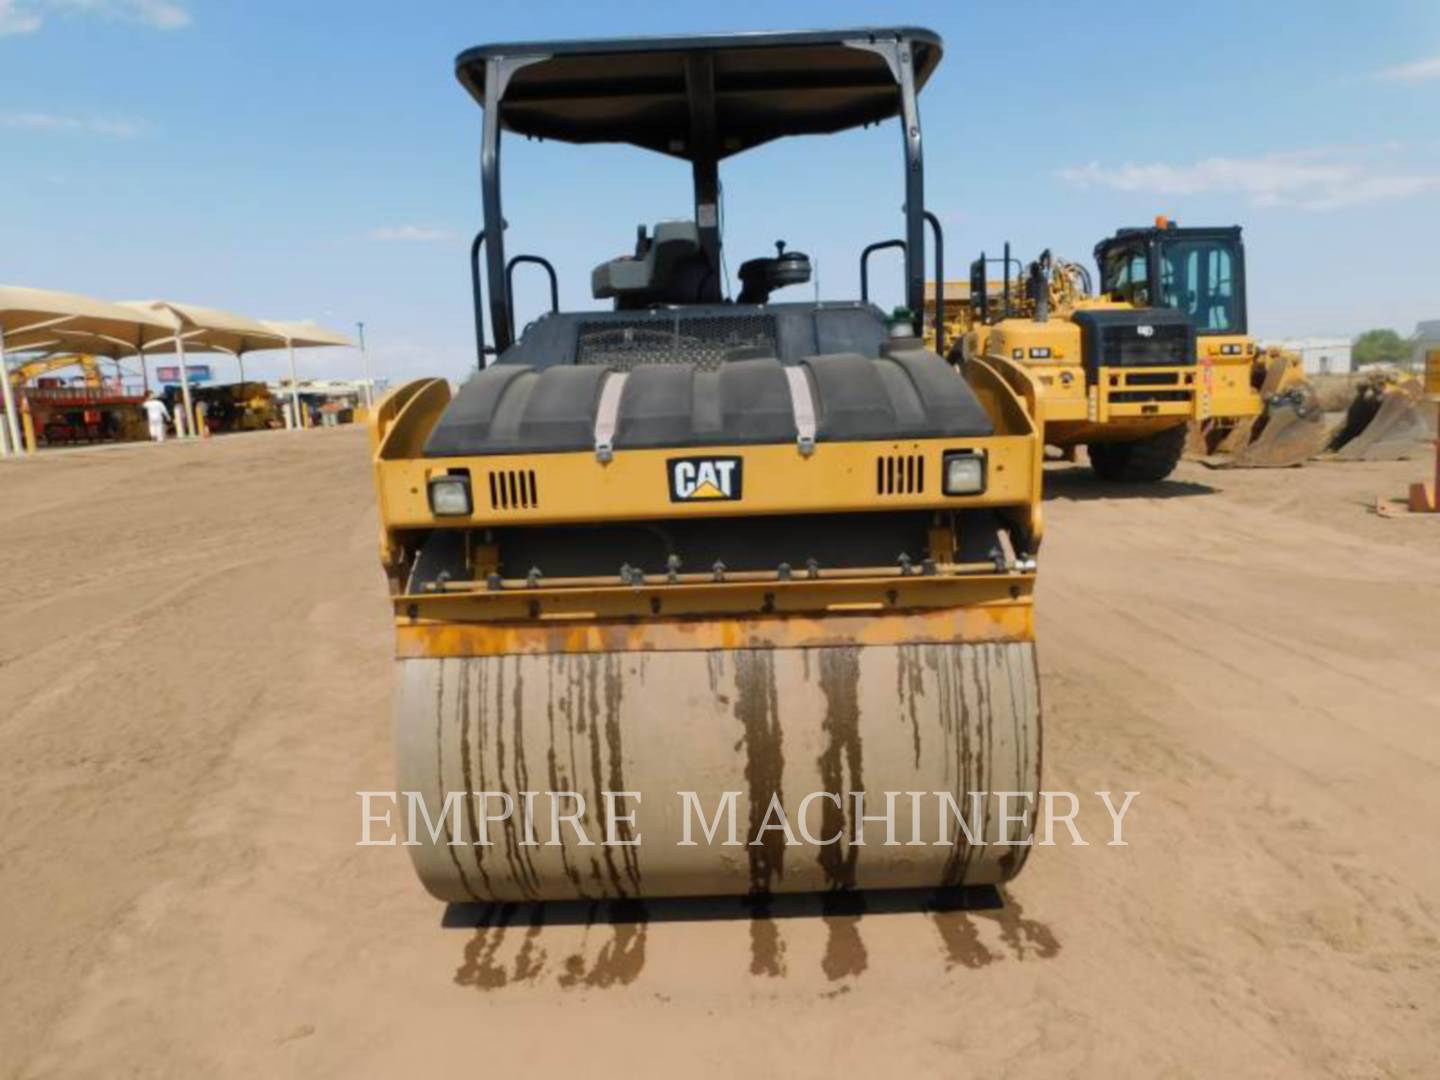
(158, 415)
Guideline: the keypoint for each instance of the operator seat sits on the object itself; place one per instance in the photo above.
(669, 267)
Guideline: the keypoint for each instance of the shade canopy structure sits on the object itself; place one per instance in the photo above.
(195, 328)
(205, 329)
(304, 335)
(30, 317)
(44, 320)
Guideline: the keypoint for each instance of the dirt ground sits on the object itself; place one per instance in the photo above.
(194, 682)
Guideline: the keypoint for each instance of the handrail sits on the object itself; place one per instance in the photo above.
(939, 235)
(879, 245)
(536, 260)
(478, 299)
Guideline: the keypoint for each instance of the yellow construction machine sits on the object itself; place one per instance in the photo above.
(231, 407)
(1201, 273)
(57, 412)
(1162, 349)
(690, 594)
(25, 371)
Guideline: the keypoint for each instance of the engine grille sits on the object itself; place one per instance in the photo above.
(703, 340)
(1133, 396)
(899, 474)
(1166, 345)
(513, 489)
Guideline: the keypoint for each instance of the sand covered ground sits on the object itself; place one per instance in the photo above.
(194, 682)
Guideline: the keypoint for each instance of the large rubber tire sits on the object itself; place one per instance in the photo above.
(1142, 461)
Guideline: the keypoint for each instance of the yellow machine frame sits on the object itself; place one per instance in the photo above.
(1218, 386)
(486, 615)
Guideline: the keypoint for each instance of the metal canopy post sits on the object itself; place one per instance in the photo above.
(914, 182)
(140, 355)
(365, 362)
(704, 161)
(12, 418)
(12, 414)
(500, 321)
(184, 430)
(294, 385)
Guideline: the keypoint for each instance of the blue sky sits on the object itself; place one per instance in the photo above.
(318, 160)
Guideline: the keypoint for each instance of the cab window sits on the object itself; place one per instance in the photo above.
(1198, 278)
(1127, 275)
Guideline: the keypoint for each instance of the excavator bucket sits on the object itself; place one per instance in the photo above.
(1234, 437)
(1208, 438)
(1387, 421)
(1291, 431)
(1197, 439)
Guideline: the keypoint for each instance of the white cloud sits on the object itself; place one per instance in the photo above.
(412, 233)
(18, 18)
(43, 121)
(1416, 71)
(1308, 180)
(28, 16)
(160, 14)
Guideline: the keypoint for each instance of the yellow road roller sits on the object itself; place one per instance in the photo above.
(701, 594)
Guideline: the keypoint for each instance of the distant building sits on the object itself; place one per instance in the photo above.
(1322, 356)
(1427, 337)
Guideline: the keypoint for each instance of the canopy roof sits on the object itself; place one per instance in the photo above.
(45, 320)
(306, 335)
(205, 329)
(639, 90)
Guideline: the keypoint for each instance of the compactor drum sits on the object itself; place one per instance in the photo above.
(715, 735)
(703, 597)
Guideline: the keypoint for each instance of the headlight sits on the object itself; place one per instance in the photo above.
(964, 472)
(450, 495)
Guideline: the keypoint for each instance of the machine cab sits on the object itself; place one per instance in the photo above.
(1199, 272)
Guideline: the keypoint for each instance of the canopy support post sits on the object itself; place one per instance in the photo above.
(500, 320)
(914, 184)
(12, 418)
(705, 167)
(183, 429)
(365, 362)
(294, 386)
